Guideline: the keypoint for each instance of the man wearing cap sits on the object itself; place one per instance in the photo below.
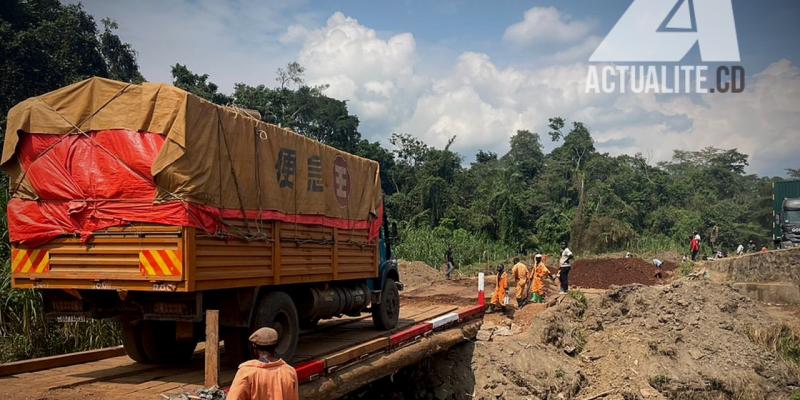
(268, 377)
(538, 273)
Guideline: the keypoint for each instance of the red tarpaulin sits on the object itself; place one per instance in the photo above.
(88, 182)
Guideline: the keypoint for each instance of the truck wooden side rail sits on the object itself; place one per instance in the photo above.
(180, 259)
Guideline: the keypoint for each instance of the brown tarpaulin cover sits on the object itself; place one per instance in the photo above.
(213, 155)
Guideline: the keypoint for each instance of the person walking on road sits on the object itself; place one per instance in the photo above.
(266, 378)
(538, 272)
(564, 266)
(520, 273)
(500, 296)
(694, 246)
(451, 265)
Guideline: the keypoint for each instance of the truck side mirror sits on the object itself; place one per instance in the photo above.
(393, 234)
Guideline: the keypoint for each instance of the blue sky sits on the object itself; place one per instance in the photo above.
(478, 70)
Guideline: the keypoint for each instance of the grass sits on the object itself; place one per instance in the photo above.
(470, 251)
(778, 338)
(25, 333)
(580, 297)
(685, 268)
(658, 381)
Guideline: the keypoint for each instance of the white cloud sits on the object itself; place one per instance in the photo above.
(762, 121)
(483, 105)
(475, 97)
(542, 25)
(232, 42)
(375, 75)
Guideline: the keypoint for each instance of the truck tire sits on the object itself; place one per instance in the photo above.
(160, 345)
(386, 314)
(276, 310)
(132, 341)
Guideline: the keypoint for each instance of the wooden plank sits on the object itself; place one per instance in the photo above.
(356, 352)
(335, 253)
(212, 348)
(42, 363)
(188, 248)
(276, 252)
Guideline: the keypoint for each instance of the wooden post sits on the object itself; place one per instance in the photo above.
(212, 348)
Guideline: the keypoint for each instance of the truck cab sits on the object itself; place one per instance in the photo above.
(790, 223)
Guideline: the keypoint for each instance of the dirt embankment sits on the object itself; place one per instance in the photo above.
(687, 340)
(417, 274)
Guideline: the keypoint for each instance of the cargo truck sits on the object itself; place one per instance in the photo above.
(147, 204)
(786, 213)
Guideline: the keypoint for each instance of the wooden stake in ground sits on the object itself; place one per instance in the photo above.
(212, 348)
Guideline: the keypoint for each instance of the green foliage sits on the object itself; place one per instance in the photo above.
(778, 338)
(45, 45)
(580, 297)
(685, 268)
(429, 245)
(185, 79)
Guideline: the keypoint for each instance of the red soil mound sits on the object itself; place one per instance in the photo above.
(604, 272)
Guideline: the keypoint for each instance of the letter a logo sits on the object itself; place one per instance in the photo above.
(666, 30)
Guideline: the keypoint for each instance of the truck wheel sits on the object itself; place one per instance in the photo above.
(132, 340)
(161, 346)
(276, 310)
(386, 314)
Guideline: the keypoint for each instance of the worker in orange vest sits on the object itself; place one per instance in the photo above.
(500, 296)
(268, 377)
(520, 273)
(538, 273)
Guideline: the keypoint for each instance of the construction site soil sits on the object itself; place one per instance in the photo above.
(601, 273)
(681, 339)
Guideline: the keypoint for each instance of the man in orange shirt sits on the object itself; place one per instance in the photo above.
(538, 273)
(268, 377)
(520, 273)
(500, 296)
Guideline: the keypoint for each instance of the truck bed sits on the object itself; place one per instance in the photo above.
(179, 259)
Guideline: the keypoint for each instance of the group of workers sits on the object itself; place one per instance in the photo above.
(529, 283)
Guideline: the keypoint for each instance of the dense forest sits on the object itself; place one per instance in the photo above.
(487, 207)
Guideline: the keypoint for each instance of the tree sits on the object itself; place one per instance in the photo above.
(199, 85)
(45, 45)
(525, 155)
(793, 173)
(119, 57)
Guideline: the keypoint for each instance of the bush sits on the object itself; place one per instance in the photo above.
(429, 245)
